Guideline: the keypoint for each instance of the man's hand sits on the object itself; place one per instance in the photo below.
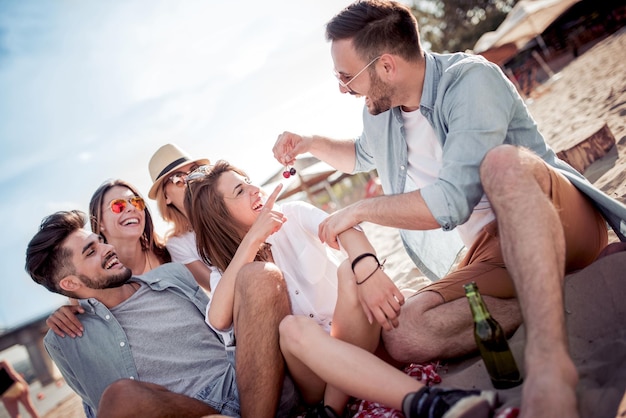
(335, 224)
(288, 146)
(381, 300)
(64, 322)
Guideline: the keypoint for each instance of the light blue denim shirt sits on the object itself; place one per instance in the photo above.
(472, 108)
(103, 355)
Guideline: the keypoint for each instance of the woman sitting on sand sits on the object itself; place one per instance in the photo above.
(234, 226)
(117, 213)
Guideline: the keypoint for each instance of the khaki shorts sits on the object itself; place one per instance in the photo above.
(585, 236)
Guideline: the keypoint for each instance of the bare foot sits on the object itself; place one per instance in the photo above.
(550, 391)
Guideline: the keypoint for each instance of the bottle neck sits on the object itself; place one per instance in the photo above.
(478, 307)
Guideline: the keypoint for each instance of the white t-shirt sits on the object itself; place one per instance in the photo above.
(183, 250)
(425, 158)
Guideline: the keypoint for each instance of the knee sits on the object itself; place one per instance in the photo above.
(291, 332)
(117, 395)
(508, 169)
(260, 280)
(256, 273)
(119, 389)
(498, 165)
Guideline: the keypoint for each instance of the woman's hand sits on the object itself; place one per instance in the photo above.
(269, 220)
(64, 322)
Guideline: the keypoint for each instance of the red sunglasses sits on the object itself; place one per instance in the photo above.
(119, 205)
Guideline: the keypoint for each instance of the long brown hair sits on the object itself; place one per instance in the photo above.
(171, 214)
(217, 234)
(150, 240)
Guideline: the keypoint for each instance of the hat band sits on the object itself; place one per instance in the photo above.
(171, 166)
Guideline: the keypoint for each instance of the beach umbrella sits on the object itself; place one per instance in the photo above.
(525, 22)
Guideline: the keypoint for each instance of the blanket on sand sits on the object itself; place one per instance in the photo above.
(595, 304)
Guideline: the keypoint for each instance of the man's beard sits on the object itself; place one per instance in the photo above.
(110, 282)
(380, 95)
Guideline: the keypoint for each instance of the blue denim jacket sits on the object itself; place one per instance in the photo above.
(472, 107)
(103, 355)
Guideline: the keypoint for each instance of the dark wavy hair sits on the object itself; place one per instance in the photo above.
(150, 240)
(47, 261)
(377, 27)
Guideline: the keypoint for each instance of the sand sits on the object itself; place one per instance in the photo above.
(587, 93)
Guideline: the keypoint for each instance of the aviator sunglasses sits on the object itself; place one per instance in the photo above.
(180, 179)
(119, 205)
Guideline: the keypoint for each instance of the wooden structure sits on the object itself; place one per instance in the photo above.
(590, 149)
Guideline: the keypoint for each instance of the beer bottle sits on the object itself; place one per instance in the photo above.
(490, 339)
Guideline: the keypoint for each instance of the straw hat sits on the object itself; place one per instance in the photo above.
(165, 161)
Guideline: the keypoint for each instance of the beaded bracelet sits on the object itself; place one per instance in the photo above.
(361, 257)
(379, 266)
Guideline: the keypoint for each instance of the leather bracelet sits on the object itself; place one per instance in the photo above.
(380, 266)
(361, 257)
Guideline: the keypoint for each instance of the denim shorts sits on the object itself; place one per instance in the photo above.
(223, 396)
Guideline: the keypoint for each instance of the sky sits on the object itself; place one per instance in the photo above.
(90, 89)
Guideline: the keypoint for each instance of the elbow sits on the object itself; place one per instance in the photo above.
(220, 323)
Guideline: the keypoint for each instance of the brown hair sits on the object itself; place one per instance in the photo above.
(47, 261)
(217, 234)
(171, 214)
(150, 240)
(377, 27)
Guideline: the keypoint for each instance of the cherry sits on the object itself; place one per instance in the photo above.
(286, 174)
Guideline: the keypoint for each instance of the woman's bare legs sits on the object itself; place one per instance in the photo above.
(309, 351)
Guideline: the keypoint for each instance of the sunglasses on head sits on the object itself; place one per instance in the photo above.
(119, 205)
(180, 179)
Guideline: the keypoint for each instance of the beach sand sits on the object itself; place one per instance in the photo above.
(587, 93)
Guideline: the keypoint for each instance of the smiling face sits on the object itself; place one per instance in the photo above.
(243, 200)
(349, 67)
(174, 187)
(95, 263)
(129, 224)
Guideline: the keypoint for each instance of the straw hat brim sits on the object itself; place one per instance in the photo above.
(159, 181)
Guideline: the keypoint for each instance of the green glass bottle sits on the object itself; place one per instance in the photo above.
(491, 341)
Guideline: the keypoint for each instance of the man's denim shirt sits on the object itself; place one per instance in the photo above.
(473, 108)
(102, 355)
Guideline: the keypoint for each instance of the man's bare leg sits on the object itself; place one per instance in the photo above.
(128, 398)
(261, 302)
(533, 246)
(432, 330)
